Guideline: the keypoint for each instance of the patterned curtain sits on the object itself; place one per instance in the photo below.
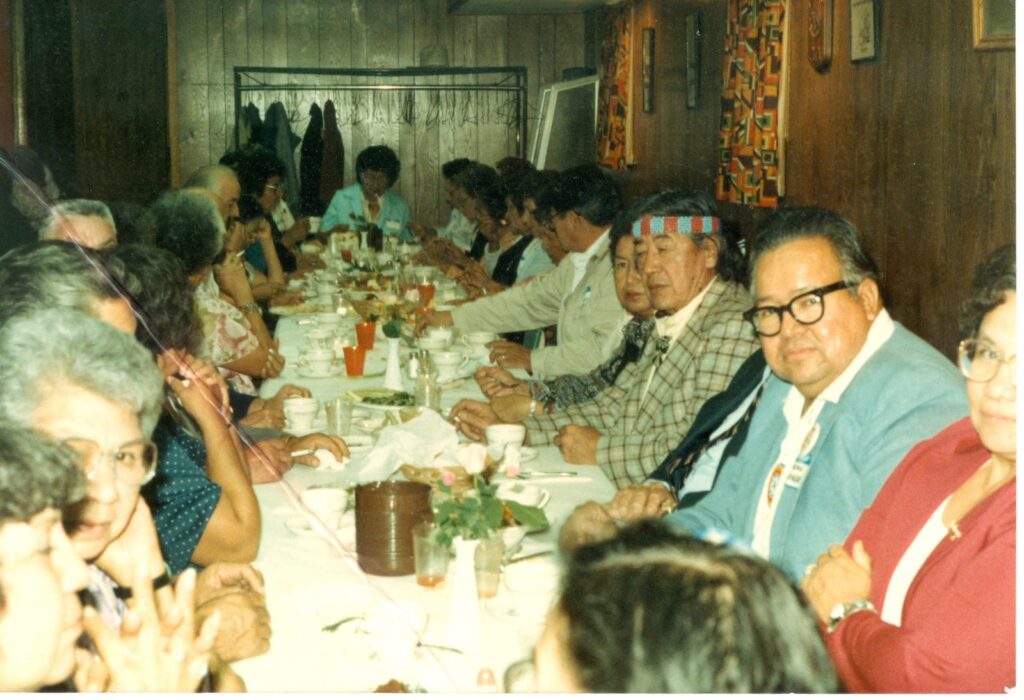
(749, 158)
(614, 135)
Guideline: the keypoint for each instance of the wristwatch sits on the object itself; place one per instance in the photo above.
(843, 610)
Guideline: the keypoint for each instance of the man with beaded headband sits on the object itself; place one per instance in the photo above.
(850, 391)
(690, 271)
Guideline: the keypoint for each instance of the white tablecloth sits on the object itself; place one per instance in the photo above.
(312, 582)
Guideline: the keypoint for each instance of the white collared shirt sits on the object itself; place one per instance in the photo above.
(671, 327)
(792, 464)
(580, 260)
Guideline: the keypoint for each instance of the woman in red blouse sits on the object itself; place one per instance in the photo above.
(921, 598)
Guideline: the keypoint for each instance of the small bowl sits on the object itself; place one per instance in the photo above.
(432, 343)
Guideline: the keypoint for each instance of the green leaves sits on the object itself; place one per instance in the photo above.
(479, 513)
(393, 328)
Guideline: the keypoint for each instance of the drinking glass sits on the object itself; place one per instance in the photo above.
(426, 293)
(339, 416)
(431, 557)
(489, 554)
(355, 358)
(365, 333)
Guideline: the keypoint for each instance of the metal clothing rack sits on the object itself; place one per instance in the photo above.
(503, 79)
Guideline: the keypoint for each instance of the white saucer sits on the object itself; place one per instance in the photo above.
(299, 525)
(310, 374)
(527, 454)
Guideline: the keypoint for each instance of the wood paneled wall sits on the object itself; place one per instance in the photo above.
(213, 36)
(119, 59)
(915, 148)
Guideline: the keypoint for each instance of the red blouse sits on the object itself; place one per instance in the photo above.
(957, 634)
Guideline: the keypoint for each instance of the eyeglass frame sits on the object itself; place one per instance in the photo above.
(273, 188)
(91, 473)
(961, 351)
(820, 292)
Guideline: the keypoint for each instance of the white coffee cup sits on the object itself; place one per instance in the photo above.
(502, 434)
(317, 360)
(432, 343)
(449, 362)
(533, 585)
(477, 341)
(328, 504)
(320, 338)
(314, 223)
(300, 412)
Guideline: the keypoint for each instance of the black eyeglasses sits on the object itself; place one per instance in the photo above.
(980, 362)
(806, 309)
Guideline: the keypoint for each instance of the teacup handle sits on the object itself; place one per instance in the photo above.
(544, 499)
(462, 365)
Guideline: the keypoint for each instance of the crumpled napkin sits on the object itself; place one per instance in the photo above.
(328, 462)
(419, 442)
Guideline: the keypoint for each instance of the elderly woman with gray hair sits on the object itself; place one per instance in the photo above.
(234, 336)
(94, 389)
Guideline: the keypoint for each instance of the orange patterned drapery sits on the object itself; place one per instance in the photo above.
(614, 135)
(749, 163)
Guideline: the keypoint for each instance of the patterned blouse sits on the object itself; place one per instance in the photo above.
(227, 335)
(571, 389)
(181, 496)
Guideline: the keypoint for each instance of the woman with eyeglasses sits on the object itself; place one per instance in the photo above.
(370, 200)
(921, 598)
(92, 388)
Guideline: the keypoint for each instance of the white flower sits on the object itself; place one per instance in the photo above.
(472, 457)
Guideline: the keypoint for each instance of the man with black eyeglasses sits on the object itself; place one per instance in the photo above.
(790, 456)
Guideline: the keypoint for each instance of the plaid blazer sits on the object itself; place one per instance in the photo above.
(637, 435)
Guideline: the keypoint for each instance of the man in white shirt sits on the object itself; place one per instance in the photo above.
(578, 295)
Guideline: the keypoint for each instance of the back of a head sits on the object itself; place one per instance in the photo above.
(135, 224)
(52, 275)
(253, 165)
(156, 282)
(43, 353)
(52, 225)
(512, 164)
(482, 183)
(35, 474)
(190, 226)
(654, 611)
(208, 177)
(786, 225)
(586, 190)
(454, 167)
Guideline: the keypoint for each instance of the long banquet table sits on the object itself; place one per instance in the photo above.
(312, 582)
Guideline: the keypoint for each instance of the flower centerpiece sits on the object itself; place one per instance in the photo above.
(479, 512)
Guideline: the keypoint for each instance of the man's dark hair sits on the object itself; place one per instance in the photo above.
(482, 183)
(254, 165)
(586, 190)
(996, 276)
(134, 223)
(158, 287)
(655, 611)
(786, 225)
(535, 187)
(53, 275)
(379, 158)
(454, 167)
(512, 164)
(730, 265)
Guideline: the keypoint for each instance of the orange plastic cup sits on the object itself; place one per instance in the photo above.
(365, 333)
(426, 293)
(355, 358)
(346, 255)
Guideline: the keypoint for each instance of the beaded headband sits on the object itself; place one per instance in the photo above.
(688, 225)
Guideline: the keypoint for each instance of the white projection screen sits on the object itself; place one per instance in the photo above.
(566, 132)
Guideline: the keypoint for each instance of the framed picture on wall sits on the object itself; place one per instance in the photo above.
(863, 31)
(993, 24)
(819, 34)
(693, 28)
(647, 68)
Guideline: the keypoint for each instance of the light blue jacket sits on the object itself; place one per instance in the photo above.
(905, 393)
(394, 211)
